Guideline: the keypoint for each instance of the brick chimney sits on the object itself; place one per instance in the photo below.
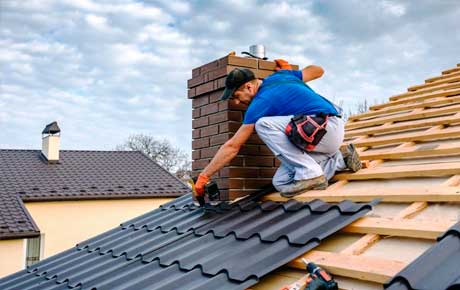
(51, 137)
(215, 122)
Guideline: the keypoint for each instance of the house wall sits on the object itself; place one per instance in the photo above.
(63, 224)
(12, 256)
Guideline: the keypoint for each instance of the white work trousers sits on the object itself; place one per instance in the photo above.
(296, 164)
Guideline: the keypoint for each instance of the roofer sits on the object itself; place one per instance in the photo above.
(292, 120)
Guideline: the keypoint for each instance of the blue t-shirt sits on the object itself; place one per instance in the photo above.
(284, 93)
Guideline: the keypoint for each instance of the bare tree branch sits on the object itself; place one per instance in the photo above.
(162, 152)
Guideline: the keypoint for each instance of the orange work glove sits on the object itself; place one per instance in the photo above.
(282, 64)
(200, 183)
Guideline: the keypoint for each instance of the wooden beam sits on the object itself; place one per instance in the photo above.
(449, 71)
(396, 194)
(405, 117)
(415, 170)
(444, 76)
(405, 107)
(425, 90)
(447, 133)
(361, 245)
(417, 152)
(435, 83)
(363, 268)
(417, 98)
(405, 126)
(426, 229)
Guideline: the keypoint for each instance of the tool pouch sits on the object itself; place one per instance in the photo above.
(305, 132)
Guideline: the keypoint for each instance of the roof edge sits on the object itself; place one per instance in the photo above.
(21, 235)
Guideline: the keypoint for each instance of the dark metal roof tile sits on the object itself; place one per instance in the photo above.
(436, 269)
(25, 176)
(223, 247)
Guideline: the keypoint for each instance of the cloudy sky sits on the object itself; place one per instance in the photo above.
(108, 69)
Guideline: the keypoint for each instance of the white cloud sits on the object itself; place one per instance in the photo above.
(122, 66)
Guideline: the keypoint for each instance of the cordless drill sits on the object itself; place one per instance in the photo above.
(320, 278)
(210, 189)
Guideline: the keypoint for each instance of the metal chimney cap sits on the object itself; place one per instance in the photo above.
(51, 128)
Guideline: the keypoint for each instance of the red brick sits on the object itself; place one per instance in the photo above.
(218, 84)
(259, 161)
(224, 172)
(277, 163)
(249, 150)
(264, 150)
(195, 72)
(195, 81)
(200, 143)
(254, 139)
(196, 133)
(209, 109)
(215, 96)
(243, 172)
(196, 113)
(219, 117)
(231, 105)
(200, 122)
(229, 126)
(242, 61)
(200, 164)
(220, 139)
(209, 66)
(235, 116)
(191, 93)
(237, 161)
(210, 130)
(196, 154)
(268, 65)
(204, 88)
(217, 73)
(209, 152)
(256, 183)
(267, 172)
(200, 101)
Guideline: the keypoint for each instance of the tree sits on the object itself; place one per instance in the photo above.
(162, 152)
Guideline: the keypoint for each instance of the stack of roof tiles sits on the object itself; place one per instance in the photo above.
(215, 122)
(180, 245)
(26, 176)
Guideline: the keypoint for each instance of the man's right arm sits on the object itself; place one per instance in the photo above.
(312, 72)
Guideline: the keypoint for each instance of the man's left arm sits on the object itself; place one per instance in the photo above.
(312, 72)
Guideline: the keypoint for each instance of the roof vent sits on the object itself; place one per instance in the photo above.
(51, 137)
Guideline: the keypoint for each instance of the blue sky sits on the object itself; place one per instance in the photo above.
(108, 69)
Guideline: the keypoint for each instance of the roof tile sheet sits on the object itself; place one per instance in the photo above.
(180, 245)
(437, 269)
(26, 176)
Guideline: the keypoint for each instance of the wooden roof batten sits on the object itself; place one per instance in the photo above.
(432, 108)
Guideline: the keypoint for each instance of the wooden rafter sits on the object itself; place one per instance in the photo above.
(405, 107)
(359, 267)
(405, 117)
(452, 119)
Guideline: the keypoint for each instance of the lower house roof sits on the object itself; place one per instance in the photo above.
(25, 175)
(180, 245)
(437, 269)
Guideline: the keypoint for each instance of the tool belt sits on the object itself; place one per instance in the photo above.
(305, 132)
